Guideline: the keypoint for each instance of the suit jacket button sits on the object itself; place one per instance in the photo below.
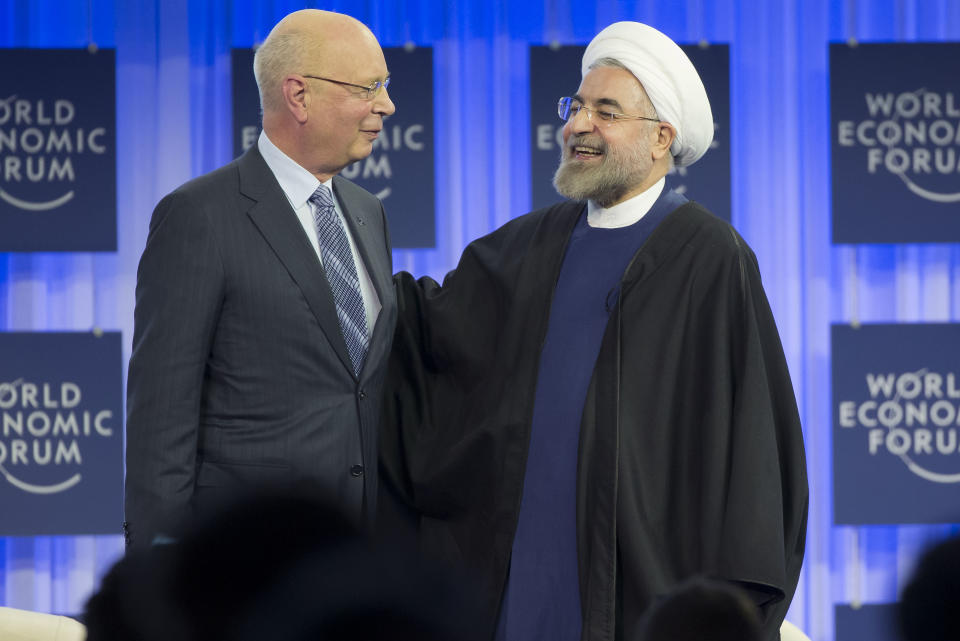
(362, 395)
(356, 470)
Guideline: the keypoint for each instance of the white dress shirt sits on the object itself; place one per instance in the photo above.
(627, 212)
(299, 184)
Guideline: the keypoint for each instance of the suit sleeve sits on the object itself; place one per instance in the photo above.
(180, 283)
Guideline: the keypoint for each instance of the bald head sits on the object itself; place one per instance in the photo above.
(313, 71)
(309, 37)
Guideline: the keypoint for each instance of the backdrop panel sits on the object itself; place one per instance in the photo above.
(895, 142)
(61, 431)
(58, 150)
(896, 429)
(867, 623)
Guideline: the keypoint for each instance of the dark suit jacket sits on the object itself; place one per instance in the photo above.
(239, 373)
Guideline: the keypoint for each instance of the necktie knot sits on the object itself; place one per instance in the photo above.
(322, 198)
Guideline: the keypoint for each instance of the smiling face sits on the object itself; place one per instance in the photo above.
(342, 123)
(323, 126)
(609, 162)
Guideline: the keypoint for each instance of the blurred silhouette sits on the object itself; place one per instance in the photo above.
(133, 601)
(929, 607)
(279, 564)
(349, 593)
(701, 609)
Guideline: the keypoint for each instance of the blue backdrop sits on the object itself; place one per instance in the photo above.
(173, 122)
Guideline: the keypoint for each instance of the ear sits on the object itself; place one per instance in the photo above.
(665, 135)
(296, 97)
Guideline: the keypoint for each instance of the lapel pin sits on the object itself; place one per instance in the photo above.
(360, 220)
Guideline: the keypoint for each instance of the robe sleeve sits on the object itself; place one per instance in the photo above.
(767, 475)
(711, 475)
(444, 349)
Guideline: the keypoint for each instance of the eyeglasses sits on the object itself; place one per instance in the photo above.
(568, 108)
(370, 91)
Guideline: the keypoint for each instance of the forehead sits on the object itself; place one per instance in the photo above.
(611, 85)
(363, 62)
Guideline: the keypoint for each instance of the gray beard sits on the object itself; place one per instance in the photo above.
(606, 183)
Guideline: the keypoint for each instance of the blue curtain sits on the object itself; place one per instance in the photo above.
(173, 120)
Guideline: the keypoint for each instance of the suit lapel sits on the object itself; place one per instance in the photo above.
(278, 224)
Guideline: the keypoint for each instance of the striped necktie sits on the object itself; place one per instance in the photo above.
(342, 276)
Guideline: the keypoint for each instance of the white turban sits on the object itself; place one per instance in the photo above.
(668, 77)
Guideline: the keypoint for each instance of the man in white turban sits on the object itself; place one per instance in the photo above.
(595, 405)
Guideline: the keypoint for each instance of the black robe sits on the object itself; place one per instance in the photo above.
(691, 458)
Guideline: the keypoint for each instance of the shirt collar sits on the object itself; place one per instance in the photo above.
(625, 213)
(297, 183)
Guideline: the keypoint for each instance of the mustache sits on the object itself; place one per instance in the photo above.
(590, 141)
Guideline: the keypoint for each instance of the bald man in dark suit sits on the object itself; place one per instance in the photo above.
(264, 307)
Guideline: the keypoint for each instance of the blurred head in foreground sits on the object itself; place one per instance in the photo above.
(929, 607)
(279, 564)
(702, 610)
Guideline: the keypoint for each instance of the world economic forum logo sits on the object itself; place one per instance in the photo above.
(913, 416)
(913, 135)
(39, 145)
(44, 429)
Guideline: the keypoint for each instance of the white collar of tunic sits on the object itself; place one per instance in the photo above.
(626, 213)
(297, 183)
